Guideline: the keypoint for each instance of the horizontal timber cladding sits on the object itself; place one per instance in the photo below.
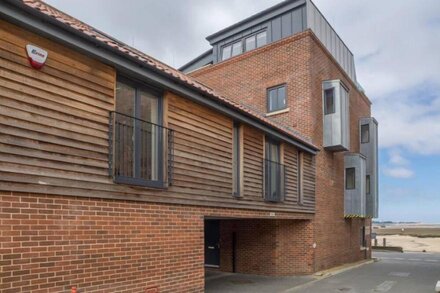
(54, 136)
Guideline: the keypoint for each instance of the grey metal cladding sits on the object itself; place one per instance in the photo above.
(204, 59)
(330, 39)
(336, 128)
(261, 17)
(370, 150)
(355, 199)
(284, 23)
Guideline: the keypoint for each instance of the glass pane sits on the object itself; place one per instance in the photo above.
(149, 135)
(272, 100)
(281, 97)
(329, 101)
(125, 99)
(124, 130)
(261, 39)
(226, 52)
(250, 43)
(365, 133)
(350, 178)
(236, 49)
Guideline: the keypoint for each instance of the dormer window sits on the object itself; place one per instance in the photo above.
(243, 45)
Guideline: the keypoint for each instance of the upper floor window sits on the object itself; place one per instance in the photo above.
(273, 172)
(368, 184)
(248, 43)
(232, 50)
(138, 142)
(329, 101)
(300, 166)
(350, 178)
(237, 159)
(365, 133)
(276, 98)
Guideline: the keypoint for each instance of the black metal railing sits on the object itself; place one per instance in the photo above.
(141, 152)
(274, 180)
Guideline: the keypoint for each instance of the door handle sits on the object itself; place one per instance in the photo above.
(211, 247)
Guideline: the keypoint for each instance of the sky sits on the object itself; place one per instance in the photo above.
(396, 45)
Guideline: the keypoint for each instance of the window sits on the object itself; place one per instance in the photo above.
(237, 159)
(329, 101)
(226, 52)
(276, 98)
(236, 49)
(362, 238)
(365, 133)
(350, 178)
(138, 137)
(250, 43)
(261, 39)
(300, 163)
(273, 172)
(368, 184)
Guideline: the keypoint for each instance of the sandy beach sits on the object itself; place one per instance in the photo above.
(411, 237)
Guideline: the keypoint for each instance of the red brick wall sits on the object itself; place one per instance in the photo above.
(302, 63)
(267, 247)
(50, 243)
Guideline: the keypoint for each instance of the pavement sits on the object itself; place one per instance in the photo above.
(219, 282)
(394, 272)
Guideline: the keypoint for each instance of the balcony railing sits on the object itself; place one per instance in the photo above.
(274, 180)
(140, 152)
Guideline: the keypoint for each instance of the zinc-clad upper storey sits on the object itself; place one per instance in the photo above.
(280, 21)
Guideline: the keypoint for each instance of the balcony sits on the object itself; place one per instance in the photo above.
(140, 152)
(274, 180)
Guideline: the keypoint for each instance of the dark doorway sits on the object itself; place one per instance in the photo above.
(212, 243)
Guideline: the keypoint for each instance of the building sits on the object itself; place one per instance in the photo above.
(122, 174)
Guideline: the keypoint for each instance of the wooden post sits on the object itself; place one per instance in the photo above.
(375, 242)
(384, 242)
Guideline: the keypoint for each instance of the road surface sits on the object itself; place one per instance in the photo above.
(394, 273)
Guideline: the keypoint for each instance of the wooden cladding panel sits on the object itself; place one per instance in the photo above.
(54, 135)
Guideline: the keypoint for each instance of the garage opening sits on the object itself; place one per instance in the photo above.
(272, 247)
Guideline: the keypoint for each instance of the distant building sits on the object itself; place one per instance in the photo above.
(122, 174)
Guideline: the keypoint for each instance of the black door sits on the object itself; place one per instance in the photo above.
(212, 240)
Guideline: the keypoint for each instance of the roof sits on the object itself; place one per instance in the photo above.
(259, 17)
(82, 28)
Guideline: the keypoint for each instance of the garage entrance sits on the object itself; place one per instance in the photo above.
(274, 247)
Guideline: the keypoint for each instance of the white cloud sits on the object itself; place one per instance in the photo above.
(398, 172)
(398, 166)
(396, 158)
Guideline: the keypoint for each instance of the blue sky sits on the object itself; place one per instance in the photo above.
(396, 44)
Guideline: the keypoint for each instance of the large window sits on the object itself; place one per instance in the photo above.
(350, 178)
(138, 137)
(237, 159)
(276, 98)
(365, 133)
(273, 172)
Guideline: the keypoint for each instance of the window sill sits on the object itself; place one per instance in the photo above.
(277, 112)
(140, 182)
